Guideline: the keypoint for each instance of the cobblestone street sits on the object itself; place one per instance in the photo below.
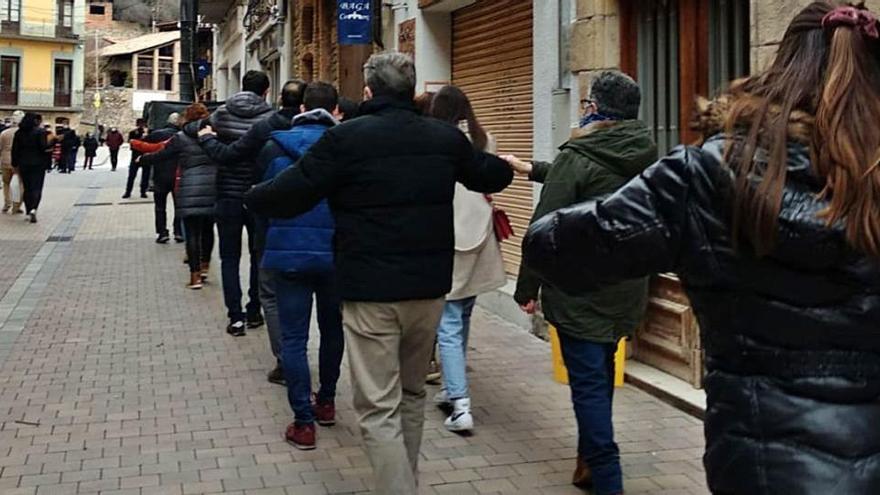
(114, 378)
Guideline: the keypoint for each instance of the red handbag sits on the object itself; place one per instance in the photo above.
(500, 221)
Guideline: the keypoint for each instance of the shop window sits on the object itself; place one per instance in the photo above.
(63, 82)
(9, 70)
(679, 50)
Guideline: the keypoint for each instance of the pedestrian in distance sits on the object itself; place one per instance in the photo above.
(29, 158)
(478, 266)
(610, 148)
(253, 144)
(70, 144)
(389, 176)
(138, 133)
(231, 122)
(298, 258)
(197, 191)
(114, 141)
(773, 226)
(90, 146)
(10, 174)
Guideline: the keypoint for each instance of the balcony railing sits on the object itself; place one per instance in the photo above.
(43, 29)
(41, 98)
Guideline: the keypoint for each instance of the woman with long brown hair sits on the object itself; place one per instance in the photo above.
(774, 227)
(477, 268)
(196, 192)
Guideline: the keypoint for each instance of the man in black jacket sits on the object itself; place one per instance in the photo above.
(389, 176)
(137, 133)
(163, 183)
(250, 145)
(231, 122)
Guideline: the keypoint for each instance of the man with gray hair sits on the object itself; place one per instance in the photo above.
(163, 178)
(389, 176)
(611, 147)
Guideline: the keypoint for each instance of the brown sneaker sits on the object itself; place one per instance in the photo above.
(325, 412)
(301, 436)
(206, 267)
(195, 281)
(582, 478)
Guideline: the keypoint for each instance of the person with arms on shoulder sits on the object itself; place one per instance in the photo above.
(389, 176)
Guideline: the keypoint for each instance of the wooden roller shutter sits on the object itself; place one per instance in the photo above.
(492, 63)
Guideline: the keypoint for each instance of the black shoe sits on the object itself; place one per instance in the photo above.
(126, 196)
(178, 238)
(144, 195)
(255, 321)
(162, 239)
(276, 376)
(236, 329)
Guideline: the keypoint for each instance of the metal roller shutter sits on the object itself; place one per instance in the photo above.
(492, 63)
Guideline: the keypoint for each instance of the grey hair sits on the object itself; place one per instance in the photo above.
(391, 74)
(174, 118)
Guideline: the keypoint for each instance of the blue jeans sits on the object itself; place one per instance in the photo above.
(591, 376)
(452, 339)
(232, 219)
(294, 292)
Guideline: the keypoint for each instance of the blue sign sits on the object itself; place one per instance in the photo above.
(203, 69)
(355, 24)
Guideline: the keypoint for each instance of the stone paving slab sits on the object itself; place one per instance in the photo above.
(124, 382)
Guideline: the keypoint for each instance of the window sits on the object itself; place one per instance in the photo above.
(8, 80)
(63, 82)
(166, 51)
(166, 75)
(96, 9)
(65, 13)
(10, 11)
(145, 72)
(308, 24)
(678, 50)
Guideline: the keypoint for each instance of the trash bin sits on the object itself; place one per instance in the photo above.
(560, 374)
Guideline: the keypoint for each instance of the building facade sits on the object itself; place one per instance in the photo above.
(41, 58)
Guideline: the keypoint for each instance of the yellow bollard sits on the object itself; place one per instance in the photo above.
(560, 374)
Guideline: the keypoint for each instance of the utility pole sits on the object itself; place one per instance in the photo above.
(97, 98)
(188, 20)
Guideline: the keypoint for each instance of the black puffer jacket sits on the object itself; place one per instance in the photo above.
(792, 340)
(163, 171)
(390, 177)
(197, 190)
(232, 121)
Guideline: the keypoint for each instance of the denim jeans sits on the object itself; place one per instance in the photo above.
(294, 293)
(591, 377)
(452, 339)
(232, 219)
(269, 301)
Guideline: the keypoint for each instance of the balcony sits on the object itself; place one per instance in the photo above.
(41, 99)
(50, 30)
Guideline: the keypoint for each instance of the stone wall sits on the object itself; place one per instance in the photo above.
(116, 110)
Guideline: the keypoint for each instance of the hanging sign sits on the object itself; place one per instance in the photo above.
(355, 25)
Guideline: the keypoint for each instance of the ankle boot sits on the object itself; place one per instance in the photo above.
(195, 281)
(583, 477)
(206, 266)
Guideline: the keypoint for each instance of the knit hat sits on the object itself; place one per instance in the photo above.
(17, 116)
(616, 95)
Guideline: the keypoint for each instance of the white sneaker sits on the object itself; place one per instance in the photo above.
(461, 418)
(440, 398)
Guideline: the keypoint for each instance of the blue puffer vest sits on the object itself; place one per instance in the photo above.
(303, 244)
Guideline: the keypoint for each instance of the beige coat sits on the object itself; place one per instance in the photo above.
(478, 267)
(6, 147)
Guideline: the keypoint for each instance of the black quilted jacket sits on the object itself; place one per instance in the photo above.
(792, 340)
(232, 121)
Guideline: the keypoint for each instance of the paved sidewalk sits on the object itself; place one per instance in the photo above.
(116, 379)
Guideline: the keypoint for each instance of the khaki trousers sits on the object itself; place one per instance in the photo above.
(389, 346)
(8, 175)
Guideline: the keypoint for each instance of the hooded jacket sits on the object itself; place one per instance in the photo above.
(197, 190)
(232, 121)
(302, 244)
(791, 339)
(597, 161)
(390, 177)
(253, 141)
